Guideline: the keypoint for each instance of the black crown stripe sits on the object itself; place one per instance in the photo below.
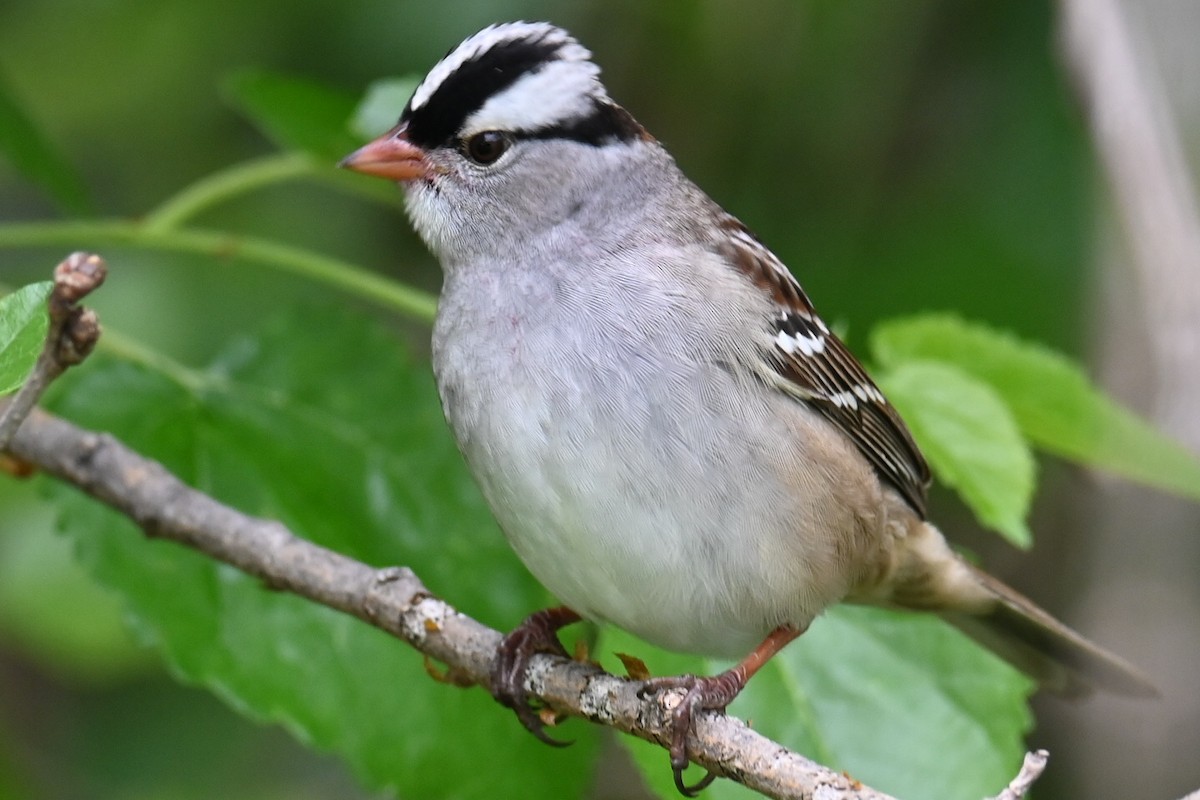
(466, 89)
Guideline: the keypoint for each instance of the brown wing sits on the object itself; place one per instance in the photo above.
(819, 370)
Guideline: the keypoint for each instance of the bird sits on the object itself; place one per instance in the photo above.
(668, 434)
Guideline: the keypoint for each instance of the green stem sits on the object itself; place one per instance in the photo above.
(227, 183)
(221, 245)
(127, 349)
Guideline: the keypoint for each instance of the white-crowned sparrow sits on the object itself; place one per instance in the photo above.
(670, 437)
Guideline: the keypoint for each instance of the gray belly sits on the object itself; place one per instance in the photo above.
(638, 468)
(653, 509)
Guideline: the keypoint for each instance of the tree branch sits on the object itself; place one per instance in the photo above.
(395, 600)
(392, 599)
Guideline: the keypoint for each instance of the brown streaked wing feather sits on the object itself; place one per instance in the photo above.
(825, 374)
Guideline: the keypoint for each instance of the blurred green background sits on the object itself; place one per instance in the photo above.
(900, 157)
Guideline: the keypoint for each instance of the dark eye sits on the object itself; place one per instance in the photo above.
(486, 147)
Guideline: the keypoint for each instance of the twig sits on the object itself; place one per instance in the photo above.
(1156, 203)
(1031, 770)
(72, 333)
(395, 600)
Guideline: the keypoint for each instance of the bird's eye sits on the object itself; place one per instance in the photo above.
(486, 147)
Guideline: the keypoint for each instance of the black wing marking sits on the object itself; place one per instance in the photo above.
(817, 368)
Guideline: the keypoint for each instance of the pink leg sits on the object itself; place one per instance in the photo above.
(713, 693)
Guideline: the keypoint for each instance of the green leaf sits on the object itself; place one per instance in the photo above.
(34, 156)
(902, 702)
(1053, 401)
(294, 113)
(15, 780)
(971, 440)
(23, 323)
(381, 105)
(50, 609)
(321, 422)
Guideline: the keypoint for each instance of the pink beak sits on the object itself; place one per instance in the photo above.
(391, 156)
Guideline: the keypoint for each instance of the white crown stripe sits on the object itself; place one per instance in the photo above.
(475, 46)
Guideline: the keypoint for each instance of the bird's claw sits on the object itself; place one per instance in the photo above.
(703, 694)
(511, 666)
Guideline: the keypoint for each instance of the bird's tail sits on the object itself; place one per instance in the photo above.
(927, 575)
(1042, 647)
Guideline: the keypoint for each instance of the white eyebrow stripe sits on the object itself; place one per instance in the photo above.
(559, 92)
